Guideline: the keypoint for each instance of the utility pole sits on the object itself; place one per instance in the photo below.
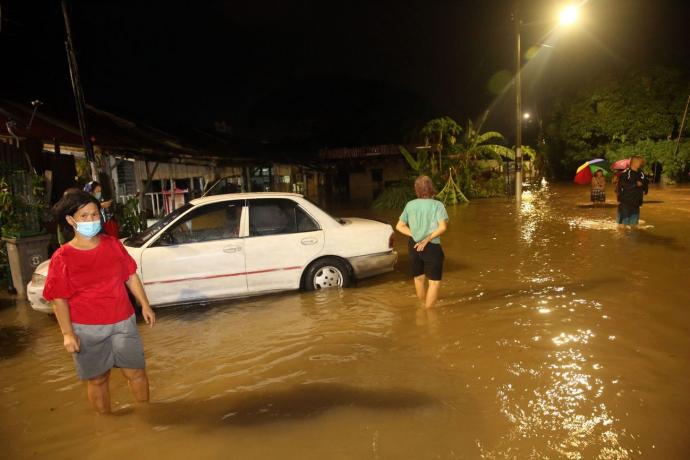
(78, 94)
(518, 107)
(680, 131)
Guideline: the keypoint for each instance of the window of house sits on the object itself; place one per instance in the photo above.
(127, 184)
(278, 216)
(377, 175)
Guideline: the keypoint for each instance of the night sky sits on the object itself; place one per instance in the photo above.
(318, 72)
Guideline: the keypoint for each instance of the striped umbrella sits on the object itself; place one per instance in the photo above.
(586, 171)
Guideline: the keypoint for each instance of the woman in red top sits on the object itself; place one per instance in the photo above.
(86, 282)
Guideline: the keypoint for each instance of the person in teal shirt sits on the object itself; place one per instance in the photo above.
(424, 220)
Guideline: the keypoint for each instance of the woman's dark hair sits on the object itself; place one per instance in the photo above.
(91, 186)
(68, 205)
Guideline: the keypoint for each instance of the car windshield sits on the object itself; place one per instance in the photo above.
(139, 239)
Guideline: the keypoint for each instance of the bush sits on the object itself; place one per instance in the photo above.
(23, 210)
(131, 220)
(394, 197)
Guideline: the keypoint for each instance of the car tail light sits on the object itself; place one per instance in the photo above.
(391, 240)
(38, 280)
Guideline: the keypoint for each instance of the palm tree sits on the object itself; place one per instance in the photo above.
(440, 134)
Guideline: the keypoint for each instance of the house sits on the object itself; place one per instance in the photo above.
(160, 169)
(360, 174)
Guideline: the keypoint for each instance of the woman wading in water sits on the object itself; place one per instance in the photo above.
(424, 220)
(86, 282)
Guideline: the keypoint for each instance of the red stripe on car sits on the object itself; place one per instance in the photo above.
(225, 275)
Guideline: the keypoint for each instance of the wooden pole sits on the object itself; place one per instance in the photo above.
(680, 131)
(78, 94)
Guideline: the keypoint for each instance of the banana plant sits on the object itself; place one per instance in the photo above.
(451, 193)
(419, 165)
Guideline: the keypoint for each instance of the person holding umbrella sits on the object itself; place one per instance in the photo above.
(592, 172)
(632, 185)
(618, 167)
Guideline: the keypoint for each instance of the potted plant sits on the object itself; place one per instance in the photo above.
(23, 210)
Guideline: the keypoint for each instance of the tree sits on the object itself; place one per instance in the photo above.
(476, 145)
(614, 112)
(440, 134)
(443, 157)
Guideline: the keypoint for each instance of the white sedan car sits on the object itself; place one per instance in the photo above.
(243, 244)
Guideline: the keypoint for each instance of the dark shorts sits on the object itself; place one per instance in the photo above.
(428, 262)
(598, 196)
(104, 346)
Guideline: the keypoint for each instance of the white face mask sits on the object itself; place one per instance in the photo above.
(89, 229)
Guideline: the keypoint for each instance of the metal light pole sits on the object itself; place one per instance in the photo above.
(568, 16)
(518, 108)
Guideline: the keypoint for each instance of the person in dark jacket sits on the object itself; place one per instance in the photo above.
(632, 186)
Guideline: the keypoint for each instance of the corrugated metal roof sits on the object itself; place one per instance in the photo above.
(359, 152)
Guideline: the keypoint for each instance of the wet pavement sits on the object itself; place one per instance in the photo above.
(557, 336)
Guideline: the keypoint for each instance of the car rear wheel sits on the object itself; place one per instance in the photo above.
(327, 273)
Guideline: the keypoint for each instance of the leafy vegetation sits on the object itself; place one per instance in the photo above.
(440, 135)
(461, 163)
(638, 112)
(131, 220)
(23, 208)
(475, 146)
(395, 197)
(451, 194)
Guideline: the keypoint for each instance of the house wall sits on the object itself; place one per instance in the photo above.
(369, 177)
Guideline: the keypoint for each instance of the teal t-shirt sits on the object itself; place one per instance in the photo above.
(422, 216)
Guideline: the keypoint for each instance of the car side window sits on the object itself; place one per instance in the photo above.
(216, 221)
(278, 216)
(304, 222)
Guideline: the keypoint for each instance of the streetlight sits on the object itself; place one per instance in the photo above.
(568, 16)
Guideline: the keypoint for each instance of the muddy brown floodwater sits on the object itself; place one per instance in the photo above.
(557, 336)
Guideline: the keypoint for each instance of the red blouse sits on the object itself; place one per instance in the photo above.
(92, 281)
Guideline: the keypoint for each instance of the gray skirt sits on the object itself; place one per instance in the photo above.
(104, 346)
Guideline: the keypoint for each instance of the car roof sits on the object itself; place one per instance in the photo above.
(243, 196)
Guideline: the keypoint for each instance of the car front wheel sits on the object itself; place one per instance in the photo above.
(327, 273)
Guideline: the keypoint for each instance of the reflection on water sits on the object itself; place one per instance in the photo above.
(558, 335)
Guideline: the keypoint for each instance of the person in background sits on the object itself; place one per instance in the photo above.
(86, 283)
(424, 220)
(598, 187)
(110, 224)
(632, 185)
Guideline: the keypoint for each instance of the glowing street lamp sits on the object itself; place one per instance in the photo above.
(568, 16)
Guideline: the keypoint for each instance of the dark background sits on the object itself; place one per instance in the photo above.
(324, 73)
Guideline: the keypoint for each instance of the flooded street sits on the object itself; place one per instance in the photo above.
(557, 336)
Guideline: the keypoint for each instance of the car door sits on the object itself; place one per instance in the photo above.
(199, 257)
(283, 238)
